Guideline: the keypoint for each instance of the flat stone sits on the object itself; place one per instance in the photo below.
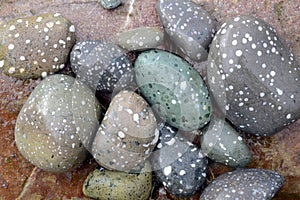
(244, 184)
(127, 134)
(222, 143)
(103, 184)
(46, 132)
(174, 89)
(189, 26)
(103, 66)
(253, 76)
(33, 47)
(140, 38)
(177, 163)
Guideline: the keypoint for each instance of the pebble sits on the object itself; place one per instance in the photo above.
(250, 184)
(174, 89)
(46, 131)
(103, 184)
(221, 143)
(103, 66)
(177, 163)
(33, 47)
(140, 38)
(253, 76)
(127, 134)
(189, 26)
(110, 4)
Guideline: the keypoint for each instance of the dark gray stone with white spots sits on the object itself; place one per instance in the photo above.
(222, 143)
(253, 76)
(102, 66)
(47, 133)
(250, 184)
(177, 163)
(110, 4)
(140, 38)
(174, 89)
(105, 184)
(33, 47)
(189, 27)
(127, 134)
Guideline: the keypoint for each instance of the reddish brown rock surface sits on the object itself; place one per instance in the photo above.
(19, 179)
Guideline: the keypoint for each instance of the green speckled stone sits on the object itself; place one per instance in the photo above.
(174, 89)
(105, 184)
(222, 144)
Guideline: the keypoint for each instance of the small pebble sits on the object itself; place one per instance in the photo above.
(110, 4)
(250, 184)
(140, 38)
(174, 89)
(33, 47)
(222, 143)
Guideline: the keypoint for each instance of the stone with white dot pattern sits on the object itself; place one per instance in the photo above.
(254, 82)
(127, 134)
(188, 26)
(177, 163)
(37, 40)
(221, 143)
(47, 132)
(250, 184)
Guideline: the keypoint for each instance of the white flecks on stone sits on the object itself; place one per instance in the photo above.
(1, 63)
(167, 170)
(11, 70)
(11, 46)
(22, 58)
(72, 28)
(50, 24)
(121, 134)
(12, 27)
(288, 116)
(279, 91)
(44, 74)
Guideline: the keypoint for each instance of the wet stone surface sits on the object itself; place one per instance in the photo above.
(140, 38)
(249, 184)
(127, 134)
(173, 88)
(222, 143)
(253, 76)
(104, 184)
(33, 47)
(46, 133)
(177, 163)
(189, 27)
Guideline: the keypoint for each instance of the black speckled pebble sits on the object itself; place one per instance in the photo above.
(242, 184)
(253, 76)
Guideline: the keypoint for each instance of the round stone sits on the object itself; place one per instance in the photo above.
(110, 4)
(104, 184)
(174, 89)
(253, 84)
(47, 132)
(40, 46)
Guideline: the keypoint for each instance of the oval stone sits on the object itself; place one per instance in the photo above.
(189, 26)
(46, 132)
(104, 184)
(253, 76)
(140, 38)
(221, 143)
(110, 4)
(33, 47)
(177, 163)
(247, 184)
(174, 89)
(127, 134)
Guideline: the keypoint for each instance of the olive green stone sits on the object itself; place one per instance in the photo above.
(140, 38)
(174, 89)
(105, 184)
(222, 144)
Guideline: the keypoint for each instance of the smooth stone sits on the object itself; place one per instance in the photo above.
(177, 163)
(221, 143)
(189, 27)
(140, 38)
(103, 184)
(110, 4)
(253, 76)
(174, 89)
(103, 66)
(46, 130)
(127, 134)
(33, 47)
(250, 184)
